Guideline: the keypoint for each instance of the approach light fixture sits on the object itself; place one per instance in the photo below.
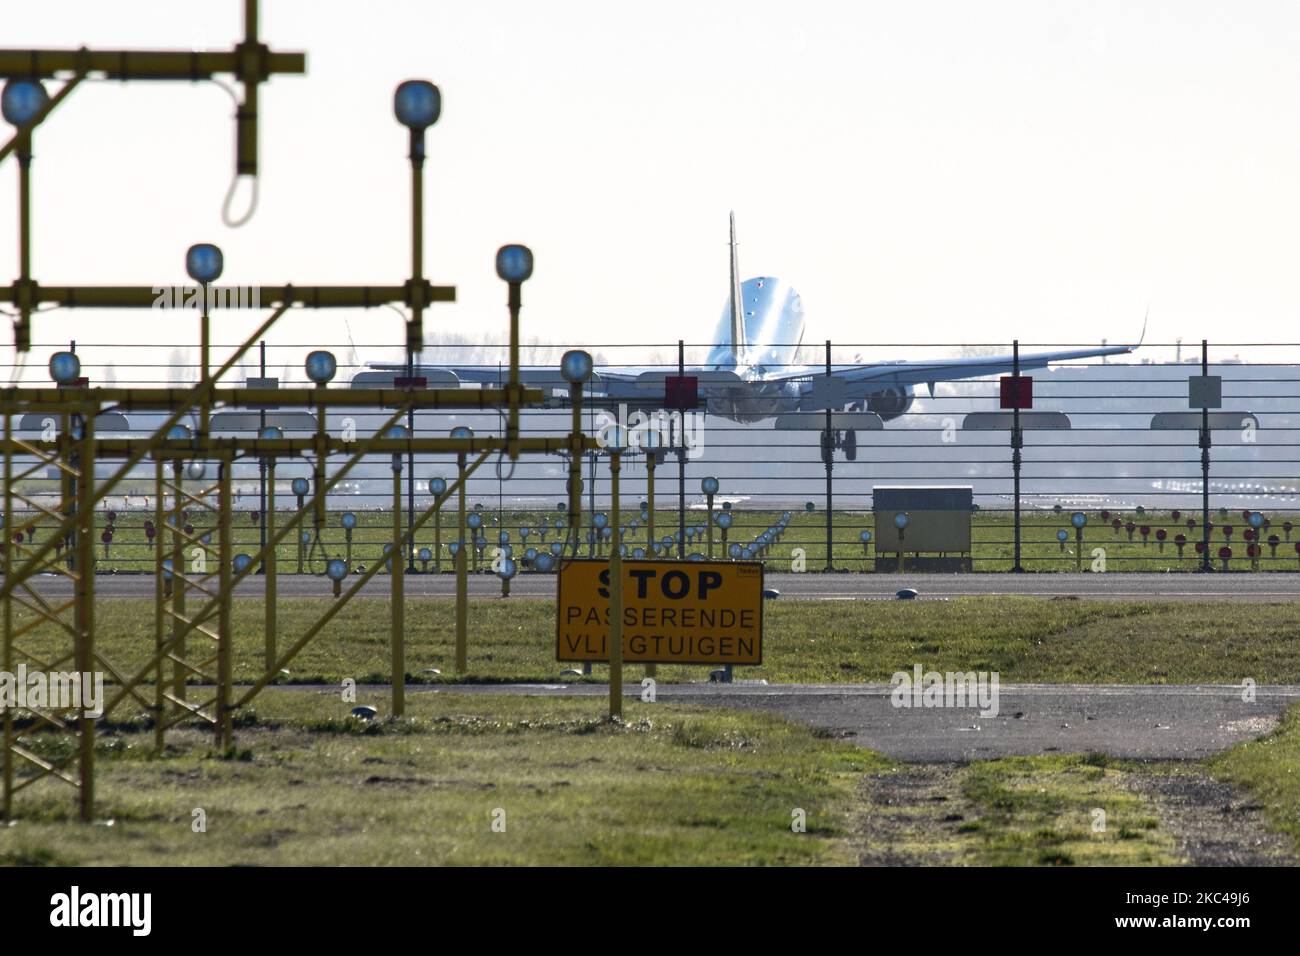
(417, 104)
(22, 100)
(575, 366)
(65, 368)
(204, 262)
(514, 263)
(321, 366)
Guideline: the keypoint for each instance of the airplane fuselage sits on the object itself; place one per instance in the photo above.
(773, 318)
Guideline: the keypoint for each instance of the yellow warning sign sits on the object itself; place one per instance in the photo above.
(674, 612)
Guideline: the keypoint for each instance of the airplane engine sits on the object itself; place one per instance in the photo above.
(892, 402)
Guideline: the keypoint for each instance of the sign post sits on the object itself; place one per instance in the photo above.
(699, 612)
(615, 593)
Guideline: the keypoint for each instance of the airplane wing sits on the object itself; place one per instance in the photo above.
(609, 383)
(862, 380)
(645, 386)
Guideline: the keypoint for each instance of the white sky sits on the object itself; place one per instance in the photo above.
(922, 172)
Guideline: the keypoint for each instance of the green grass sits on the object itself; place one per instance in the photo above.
(1269, 769)
(307, 784)
(310, 785)
(992, 538)
(1024, 639)
(1039, 810)
(1019, 811)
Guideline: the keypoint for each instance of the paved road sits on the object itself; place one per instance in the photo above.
(1272, 586)
(1140, 722)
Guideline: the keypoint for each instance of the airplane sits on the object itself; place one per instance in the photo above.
(750, 374)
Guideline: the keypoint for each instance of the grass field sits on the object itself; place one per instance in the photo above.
(992, 539)
(314, 786)
(1269, 768)
(669, 785)
(1024, 639)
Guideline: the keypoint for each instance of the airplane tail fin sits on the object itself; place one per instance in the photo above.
(737, 342)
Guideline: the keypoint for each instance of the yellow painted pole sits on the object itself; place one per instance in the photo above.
(462, 579)
(575, 469)
(159, 602)
(651, 670)
(205, 349)
(6, 809)
(650, 461)
(66, 487)
(270, 566)
(85, 651)
(437, 538)
(397, 576)
(179, 674)
(225, 630)
(615, 596)
(710, 524)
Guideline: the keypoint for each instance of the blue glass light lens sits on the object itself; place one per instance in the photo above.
(65, 367)
(514, 263)
(437, 486)
(900, 520)
(575, 366)
(300, 486)
(709, 485)
(1062, 535)
(462, 431)
(1078, 519)
(242, 561)
(417, 104)
(203, 262)
(321, 366)
(22, 100)
(349, 520)
(337, 569)
(271, 432)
